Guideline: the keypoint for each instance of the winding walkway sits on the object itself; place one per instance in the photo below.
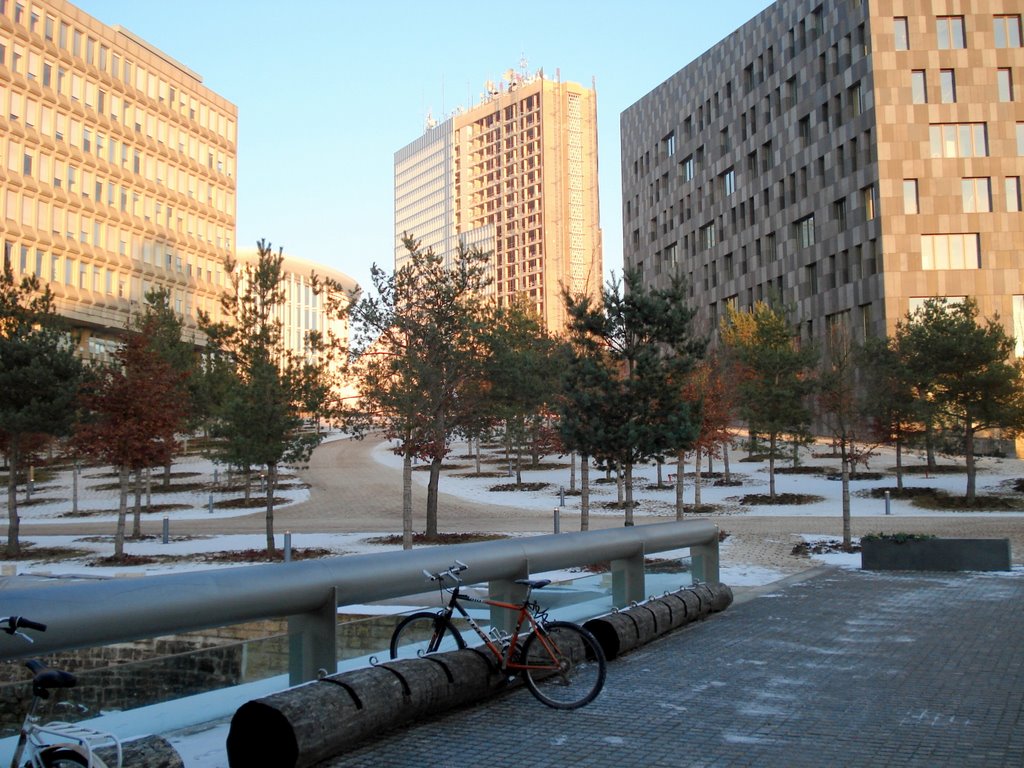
(352, 492)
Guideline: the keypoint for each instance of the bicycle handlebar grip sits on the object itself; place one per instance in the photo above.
(21, 621)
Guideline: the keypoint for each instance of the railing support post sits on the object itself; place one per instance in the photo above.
(704, 562)
(507, 591)
(312, 642)
(628, 580)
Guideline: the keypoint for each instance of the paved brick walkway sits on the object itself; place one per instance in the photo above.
(844, 668)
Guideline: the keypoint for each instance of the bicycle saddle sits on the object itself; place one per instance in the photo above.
(45, 678)
(533, 583)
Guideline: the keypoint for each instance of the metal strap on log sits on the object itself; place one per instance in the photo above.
(625, 630)
(305, 725)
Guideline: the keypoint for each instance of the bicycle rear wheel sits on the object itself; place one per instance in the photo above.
(565, 666)
(422, 633)
(62, 757)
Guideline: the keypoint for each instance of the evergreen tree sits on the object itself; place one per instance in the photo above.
(635, 348)
(521, 375)
(39, 380)
(775, 382)
(260, 416)
(972, 382)
(417, 350)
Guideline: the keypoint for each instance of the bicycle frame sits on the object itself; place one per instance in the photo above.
(525, 615)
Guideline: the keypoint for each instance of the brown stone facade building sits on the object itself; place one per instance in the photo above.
(852, 157)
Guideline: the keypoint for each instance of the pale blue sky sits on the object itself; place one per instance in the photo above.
(328, 90)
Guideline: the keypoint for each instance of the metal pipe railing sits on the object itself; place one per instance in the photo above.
(87, 614)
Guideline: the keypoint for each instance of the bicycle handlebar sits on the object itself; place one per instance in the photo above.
(451, 572)
(11, 625)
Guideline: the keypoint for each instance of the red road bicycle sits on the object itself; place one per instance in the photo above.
(561, 663)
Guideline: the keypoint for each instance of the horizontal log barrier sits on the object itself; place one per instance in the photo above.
(305, 725)
(145, 752)
(310, 723)
(637, 625)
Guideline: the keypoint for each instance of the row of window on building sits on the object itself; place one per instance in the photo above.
(118, 67)
(81, 273)
(951, 32)
(102, 147)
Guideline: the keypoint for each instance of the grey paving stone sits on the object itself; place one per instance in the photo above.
(847, 668)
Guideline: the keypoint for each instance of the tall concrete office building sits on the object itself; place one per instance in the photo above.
(853, 157)
(516, 176)
(117, 173)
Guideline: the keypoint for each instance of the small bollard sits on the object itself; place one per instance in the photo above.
(561, 495)
(209, 504)
(287, 546)
(557, 526)
(167, 529)
(887, 503)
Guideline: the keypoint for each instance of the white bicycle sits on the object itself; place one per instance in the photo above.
(55, 744)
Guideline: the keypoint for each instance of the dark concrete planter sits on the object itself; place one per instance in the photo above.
(935, 555)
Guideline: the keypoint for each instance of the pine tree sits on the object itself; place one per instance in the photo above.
(635, 347)
(39, 380)
(259, 417)
(966, 372)
(775, 380)
(418, 346)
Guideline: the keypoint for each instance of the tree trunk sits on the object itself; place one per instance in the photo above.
(726, 474)
(167, 473)
(247, 479)
(696, 480)
(629, 493)
(584, 492)
(711, 462)
(660, 463)
(271, 484)
(476, 454)
(407, 500)
(899, 464)
(519, 464)
(972, 468)
(771, 466)
(572, 471)
(122, 512)
(508, 448)
(137, 509)
(435, 478)
(74, 488)
(929, 445)
(847, 533)
(13, 522)
(619, 490)
(680, 469)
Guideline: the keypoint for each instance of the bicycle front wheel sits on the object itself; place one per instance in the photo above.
(423, 633)
(564, 665)
(62, 757)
